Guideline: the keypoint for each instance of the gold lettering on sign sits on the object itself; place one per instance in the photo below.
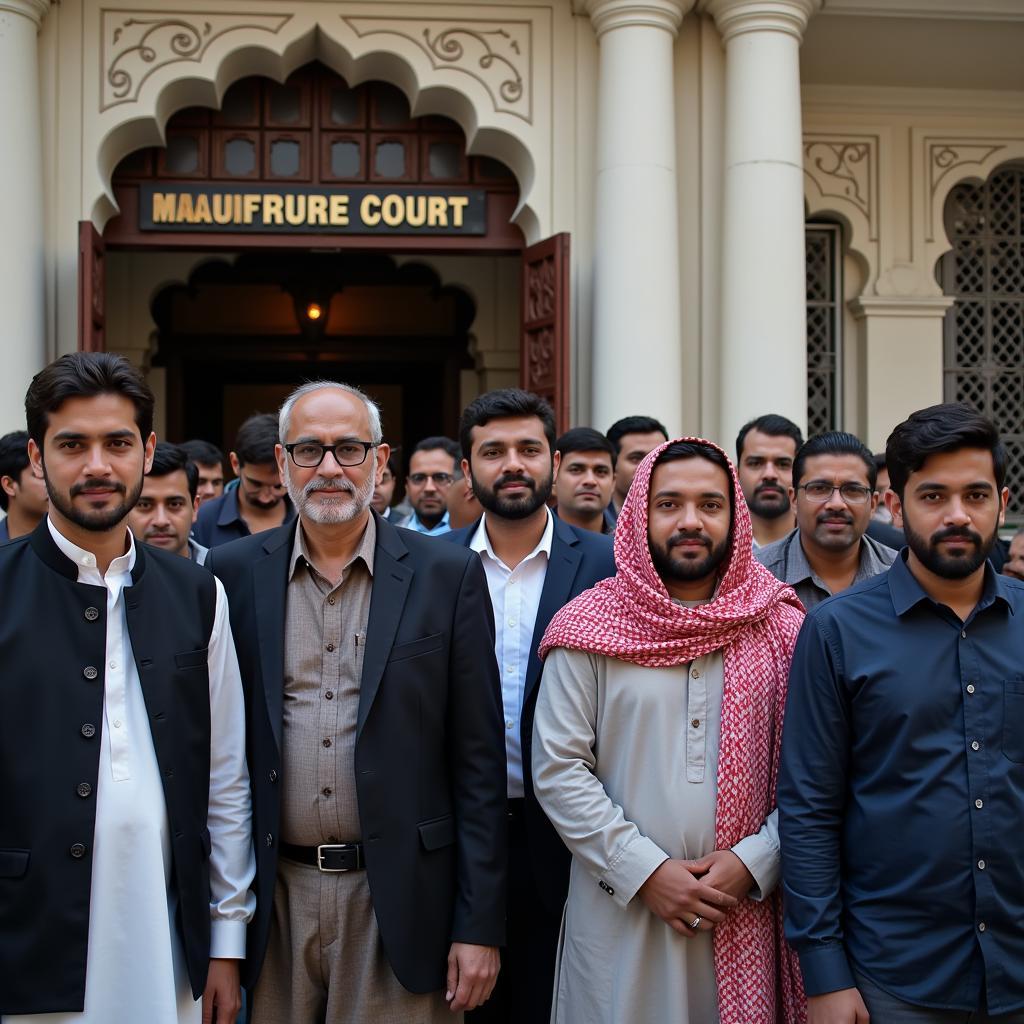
(458, 205)
(222, 208)
(392, 210)
(369, 210)
(437, 215)
(339, 211)
(273, 209)
(317, 210)
(163, 207)
(252, 203)
(295, 209)
(202, 210)
(185, 209)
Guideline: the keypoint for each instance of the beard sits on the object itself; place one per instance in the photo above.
(950, 567)
(99, 520)
(338, 508)
(538, 492)
(771, 507)
(684, 569)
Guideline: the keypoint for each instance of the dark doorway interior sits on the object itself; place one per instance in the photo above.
(240, 335)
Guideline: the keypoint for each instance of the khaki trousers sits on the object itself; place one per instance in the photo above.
(325, 963)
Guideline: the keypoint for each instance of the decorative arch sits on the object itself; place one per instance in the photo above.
(481, 73)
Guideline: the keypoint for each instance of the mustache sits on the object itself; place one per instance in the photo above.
(89, 486)
(836, 517)
(957, 533)
(322, 483)
(678, 538)
(512, 479)
(761, 488)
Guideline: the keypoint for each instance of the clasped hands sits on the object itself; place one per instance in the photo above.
(680, 891)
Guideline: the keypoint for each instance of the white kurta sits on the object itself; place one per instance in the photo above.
(136, 966)
(625, 763)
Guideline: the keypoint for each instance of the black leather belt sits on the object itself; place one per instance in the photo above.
(327, 856)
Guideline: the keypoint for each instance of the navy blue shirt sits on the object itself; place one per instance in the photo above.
(220, 520)
(5, 535)
(901, 794)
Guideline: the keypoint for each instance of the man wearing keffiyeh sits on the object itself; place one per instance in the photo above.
(655, 755)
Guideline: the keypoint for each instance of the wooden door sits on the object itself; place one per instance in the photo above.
(91, 289)
(544, 346)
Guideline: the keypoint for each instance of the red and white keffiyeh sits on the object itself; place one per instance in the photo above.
(754, 620)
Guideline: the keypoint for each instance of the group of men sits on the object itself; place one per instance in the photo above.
(612, 729)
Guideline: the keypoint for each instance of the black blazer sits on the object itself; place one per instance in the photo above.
(430, 752)
(579, 559)
(53, 650)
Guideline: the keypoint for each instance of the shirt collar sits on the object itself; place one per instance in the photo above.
(231, 509)
(365, 551)
(86, 559)
(798, 568)
(415, 523)
(481, 541)
(906, 592)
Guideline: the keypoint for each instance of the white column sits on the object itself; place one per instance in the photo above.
(22, 329)
(637, 359)
(764, 347)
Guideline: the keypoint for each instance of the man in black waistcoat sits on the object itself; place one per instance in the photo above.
(125, 840)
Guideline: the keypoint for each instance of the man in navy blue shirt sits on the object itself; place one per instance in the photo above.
(901, 792)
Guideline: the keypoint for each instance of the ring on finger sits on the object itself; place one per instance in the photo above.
(695, 923)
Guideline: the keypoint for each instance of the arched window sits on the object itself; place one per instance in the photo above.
(823, 252)
(984, 328)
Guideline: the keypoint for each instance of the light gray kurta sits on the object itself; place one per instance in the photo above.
(625, 763)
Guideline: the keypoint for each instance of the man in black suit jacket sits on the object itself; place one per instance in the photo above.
(410, 743)
(535, 563)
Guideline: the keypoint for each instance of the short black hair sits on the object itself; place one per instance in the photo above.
(938, 429)
(170, 458)
(504, 404)
(771, 424)
(834, 442)
(392, 465)
(13, 459)
(633, 425)
(256, 440)
(85, 375)
(203, 452)
(584, 439)
(880, 463)
(438, 443)
(697, 450)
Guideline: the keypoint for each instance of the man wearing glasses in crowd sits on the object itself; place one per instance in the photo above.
(431, 472)
(833, 492)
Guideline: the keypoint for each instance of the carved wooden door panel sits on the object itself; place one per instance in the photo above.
(91, 289)
(544, 348)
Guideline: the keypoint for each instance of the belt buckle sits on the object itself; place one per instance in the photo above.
(320, 858)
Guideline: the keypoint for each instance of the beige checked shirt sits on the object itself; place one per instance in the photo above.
(324, 644)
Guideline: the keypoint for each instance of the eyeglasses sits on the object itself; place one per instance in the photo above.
(440, 479)
(821, 490)
(309, 454)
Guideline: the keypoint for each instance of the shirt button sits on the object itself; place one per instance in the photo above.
(695, 723)
(269, 839)
(330, 600)
(88, 731)
(327, 742)
(970, 687)
(327, 791)
(963, 635)
(84, 789)
(92, 614)
(78, 851)
(273, 775)
(329, 695)
(975, 745)
(695, 673)
(511, 622)
(981, 926)
(117, 723)
(330, 647)
(508, 723)
(510, 668)
(89, 672)
(979, 804)
(113, 664)
(981, 865)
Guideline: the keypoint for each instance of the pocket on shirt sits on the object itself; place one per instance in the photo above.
(13, 863)
(1013, 719)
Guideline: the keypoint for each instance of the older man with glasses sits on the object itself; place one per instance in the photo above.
(432, 468)
(833, 492)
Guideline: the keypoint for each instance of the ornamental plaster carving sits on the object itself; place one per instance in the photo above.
(498, 54)
(948, 160)
(135, 43)
(845, 170)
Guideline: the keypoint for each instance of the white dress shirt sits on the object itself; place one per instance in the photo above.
(136, 966)
(515, 597)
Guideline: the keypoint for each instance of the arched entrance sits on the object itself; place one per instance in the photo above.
(314, 191)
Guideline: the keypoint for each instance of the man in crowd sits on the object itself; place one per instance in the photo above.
(655, 752)
(431, 472)
(259, 502)
(632, 438)
(209, 460)
(900, 796)
(384, 490)
(166, 509)
(22, 493)
(534, 563)
(1014, 565)
(765, 450)
(463, 508)
(834, 496)
(374, 725)
(583, 486)
(125, 838)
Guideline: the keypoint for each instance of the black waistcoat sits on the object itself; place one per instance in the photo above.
(52, 658)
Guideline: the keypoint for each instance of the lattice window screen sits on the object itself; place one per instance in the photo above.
(984, 329)
(824, 289)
